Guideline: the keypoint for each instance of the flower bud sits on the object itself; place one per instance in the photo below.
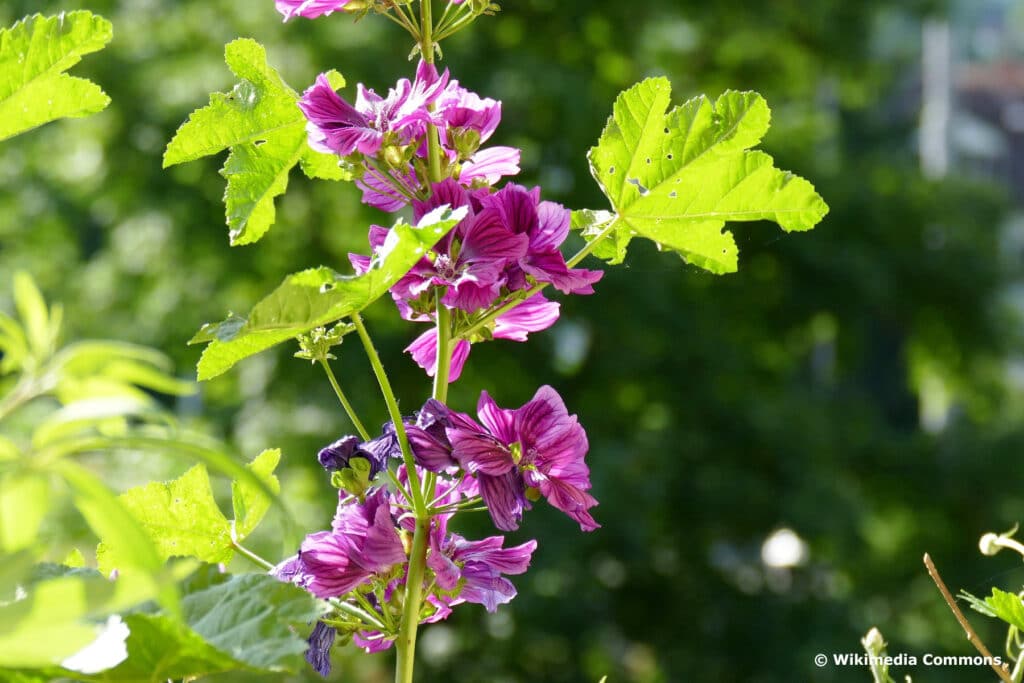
(873, 642)
(989, 544)
(394, 156)
(465, 141)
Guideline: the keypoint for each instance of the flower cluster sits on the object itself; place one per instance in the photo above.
(508, 243)
(385, 138)
(420, 147)
(363, 559)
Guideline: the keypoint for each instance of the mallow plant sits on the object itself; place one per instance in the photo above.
(470, 256)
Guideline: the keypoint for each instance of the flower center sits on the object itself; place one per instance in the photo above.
(516, 449)
(445, 267)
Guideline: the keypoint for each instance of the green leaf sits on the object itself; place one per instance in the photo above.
(260, 122)
(57, 613)
(13, 344)
(163, 649)
(976, 603)
(253, 616)
(47, 625)
(110, 519)
(102, 414)
(23, 505)
(319, 296)
(676, 177)
(181, 518)
(1007, 606)
(250, 504)
(248, 623)
(34, 315)
(34, 54)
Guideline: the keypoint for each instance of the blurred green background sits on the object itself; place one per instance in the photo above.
(773, 450)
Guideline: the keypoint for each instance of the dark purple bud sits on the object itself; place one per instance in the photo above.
(319, 653)
(336, 456)
(380, 449)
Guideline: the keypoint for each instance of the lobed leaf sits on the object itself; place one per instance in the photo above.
(34, 54)
(676, 177)
(319, 296)
(1007, 606)
(250, 503)
(181, 518)
(260, 123)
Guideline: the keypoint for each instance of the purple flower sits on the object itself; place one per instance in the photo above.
(469, 261)
(489, 165)
(310, 9)
(546, 225)
(363, 542)
(335, 126)
(372, 641)
(538, 446)
(319, 653)
(472, 570)
(428, 437)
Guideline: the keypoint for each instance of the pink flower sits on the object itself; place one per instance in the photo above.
(310, 9)
(538, 446)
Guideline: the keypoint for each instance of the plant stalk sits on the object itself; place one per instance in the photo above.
(406, 643)
(444, 348)
(419, 505)
(344, 401)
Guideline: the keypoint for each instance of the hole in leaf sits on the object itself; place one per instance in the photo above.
(326, 287)
(259, 143)
(636, 181)
(669, 156)
(611, 170)
(666, 131)
(648, 160)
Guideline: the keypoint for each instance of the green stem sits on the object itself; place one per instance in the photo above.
(406, 643)
(248, 554)
(344, 400)
(455, 24)
(427, 30)
(427, 50)
(353, 611)
(444, 348)
(396, 415)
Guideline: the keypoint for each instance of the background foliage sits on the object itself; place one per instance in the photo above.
(798, 393)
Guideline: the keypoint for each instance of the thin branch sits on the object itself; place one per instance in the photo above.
(972, 637)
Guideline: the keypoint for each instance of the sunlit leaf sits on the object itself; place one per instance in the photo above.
(34, 54)
(319, 296)
(24, 498)
(57, 614)
(676, 177)
(1007, 606)
(250, 503)
(260, 122)
(181, 518)
(248, 623)
(13, 344)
